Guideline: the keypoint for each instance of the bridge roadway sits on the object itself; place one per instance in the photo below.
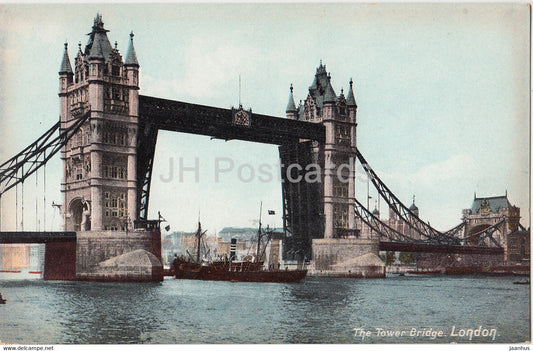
(50, 236)
(459, 249)
(217, 122)
(36, 237)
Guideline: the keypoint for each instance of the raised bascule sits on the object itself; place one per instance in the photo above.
(107, 138)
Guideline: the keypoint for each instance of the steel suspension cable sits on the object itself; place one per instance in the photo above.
(22, 202)
(400, 209)
(44, 194)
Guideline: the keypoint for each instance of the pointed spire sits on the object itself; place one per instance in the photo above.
(351, 99)
(291, 106)
(98, 37)
(96, 52)
(376, 211)
(329, 95)
(98, 21)
(131, 57)
(98, 25)
(413, 207)
(65, 63)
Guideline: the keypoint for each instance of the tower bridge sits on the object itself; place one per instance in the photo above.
(107, 138)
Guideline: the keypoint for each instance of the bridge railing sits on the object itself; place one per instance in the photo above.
(35, 237)
(147, 224)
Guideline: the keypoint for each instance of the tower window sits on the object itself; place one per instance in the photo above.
(342, 134)
(340, 189)
(340, 216)
(115, 70)
(116, 94)
(78, 172)
(115, 172)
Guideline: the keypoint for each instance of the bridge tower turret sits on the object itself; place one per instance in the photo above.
(131, 66)
(291, 111)
(99, 180)
(65, 79)
(333, 216)
(331, 209)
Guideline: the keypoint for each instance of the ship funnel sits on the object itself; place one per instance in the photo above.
(233, 249)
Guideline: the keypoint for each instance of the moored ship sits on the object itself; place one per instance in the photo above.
(231, 270)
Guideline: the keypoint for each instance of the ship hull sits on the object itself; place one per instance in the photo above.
(247, 273)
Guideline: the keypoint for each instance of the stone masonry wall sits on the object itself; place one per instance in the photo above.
(331, 251)
(95, 247)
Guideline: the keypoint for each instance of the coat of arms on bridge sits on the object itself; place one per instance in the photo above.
(485, 208)
(242, 117)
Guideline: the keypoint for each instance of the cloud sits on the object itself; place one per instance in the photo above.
(454, 168)
(206, 69)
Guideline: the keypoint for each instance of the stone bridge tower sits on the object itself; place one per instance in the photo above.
(488, 211)
(336, 157)
(334, 246)
(99, 162)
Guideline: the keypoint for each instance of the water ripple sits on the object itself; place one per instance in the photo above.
(321, 310)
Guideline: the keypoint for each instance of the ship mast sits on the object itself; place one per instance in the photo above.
(198, 241)
(259, 233)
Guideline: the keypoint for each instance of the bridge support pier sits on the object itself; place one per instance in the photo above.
(119, 256)
(346, 257)
(60, 260)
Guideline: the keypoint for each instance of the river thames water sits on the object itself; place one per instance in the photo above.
(410, 309)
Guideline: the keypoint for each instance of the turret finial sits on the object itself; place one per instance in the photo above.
(65, 62)
(291, 107)
(350, 101)
(131, 57)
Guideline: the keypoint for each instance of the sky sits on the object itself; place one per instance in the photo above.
(442, 93)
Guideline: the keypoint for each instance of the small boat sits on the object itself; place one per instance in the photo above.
(497, 273)
(436, 271)
(230, 270)
(521, 274)
(2, 300)
(524, 282)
